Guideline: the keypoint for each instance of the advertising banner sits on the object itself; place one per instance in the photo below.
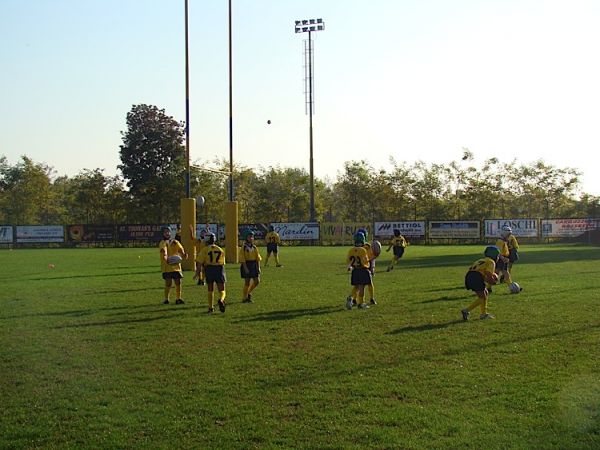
(260, 230)
(211, 227)
(6, 234)
(40, 233)
(520, 227)
(567, 227)
(409, 229)
(91, 233)
(454, 230)
(297, 231)
(343, 233)
(141, 232)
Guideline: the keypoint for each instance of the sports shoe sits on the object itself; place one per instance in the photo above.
(373, 301)
(249, 298)
(166, 301)
(486, 316)
(211, 310)
(354, 302)
(200, 282)
(246, 300)
(465, 314)
(390, 268)
(221, 304)
(349, 302)
(279, 265)
(363, 306)
(179, 302)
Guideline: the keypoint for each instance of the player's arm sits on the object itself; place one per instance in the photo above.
(163, 253)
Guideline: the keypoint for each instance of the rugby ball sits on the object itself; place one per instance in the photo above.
(514, 288)
(493, 278)
(175, 259)
(376, 248)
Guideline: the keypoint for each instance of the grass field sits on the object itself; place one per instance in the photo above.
(90, 358)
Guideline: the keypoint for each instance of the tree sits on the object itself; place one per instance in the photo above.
(153, 163)
(27, 196)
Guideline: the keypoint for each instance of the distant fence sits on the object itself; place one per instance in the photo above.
(298, 233)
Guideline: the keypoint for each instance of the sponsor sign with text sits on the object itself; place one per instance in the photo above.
(454, 230)
(520, 227)
(567, 227)
(412, 229)
(297, 231)
(342, 232)
(6, 234)
(40, 233)
(90, 233)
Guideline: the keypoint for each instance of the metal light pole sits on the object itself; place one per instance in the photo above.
(187, 108)
(308, 26)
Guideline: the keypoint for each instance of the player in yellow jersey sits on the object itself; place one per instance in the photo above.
(171, 272)
(513, 245)
(481, 272)
(372, 257)
(198, 245)
(273, 240)
(502, 264)
(358, 261)
(250, 265)
(211, 261)
(398, 243)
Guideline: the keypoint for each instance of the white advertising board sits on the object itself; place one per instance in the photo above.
(40, 233)
(414, 229)
(520, 227)
(297, 231)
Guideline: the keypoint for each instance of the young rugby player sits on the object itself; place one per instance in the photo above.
(481, 272)
(199, 245)
(502, 264)
(398, 243)
(513, 245)
(273, 240)
(371, 255)
(171, 272)
(250, 265)
(358, 261)
(211, 261)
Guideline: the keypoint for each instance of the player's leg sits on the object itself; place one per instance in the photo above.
(221, 302)
(211, 296)
(167, 292)
(178, 289)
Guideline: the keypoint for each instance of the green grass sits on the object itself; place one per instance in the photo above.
(89, 358)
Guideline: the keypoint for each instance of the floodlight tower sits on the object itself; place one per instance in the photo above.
(308, 26)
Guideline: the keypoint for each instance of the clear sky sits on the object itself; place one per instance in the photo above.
(409, 79)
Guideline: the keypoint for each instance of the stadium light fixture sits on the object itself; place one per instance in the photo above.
(309, 26)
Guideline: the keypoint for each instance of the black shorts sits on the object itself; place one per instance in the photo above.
(398, 251)
(271, 248)
(474, 281)
(360, 277)
(501, 265)
(513, 255)
(253, 271)
(172, 275)
(215, 274)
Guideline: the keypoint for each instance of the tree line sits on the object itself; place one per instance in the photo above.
(152, 174)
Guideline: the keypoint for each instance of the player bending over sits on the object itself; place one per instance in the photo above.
(480, 272)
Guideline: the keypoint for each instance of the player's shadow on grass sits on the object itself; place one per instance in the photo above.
(426, 327)
(447, 298)
(69, 277)
(80, 312)
(105, 323)
(289, 314)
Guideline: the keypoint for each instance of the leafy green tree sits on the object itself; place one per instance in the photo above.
(153, 163)
(27, 197)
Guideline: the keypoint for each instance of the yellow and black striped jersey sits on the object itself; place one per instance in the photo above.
(249, 253)
(398, 241)
(272, 237)
(485, 266)
(358, 257)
